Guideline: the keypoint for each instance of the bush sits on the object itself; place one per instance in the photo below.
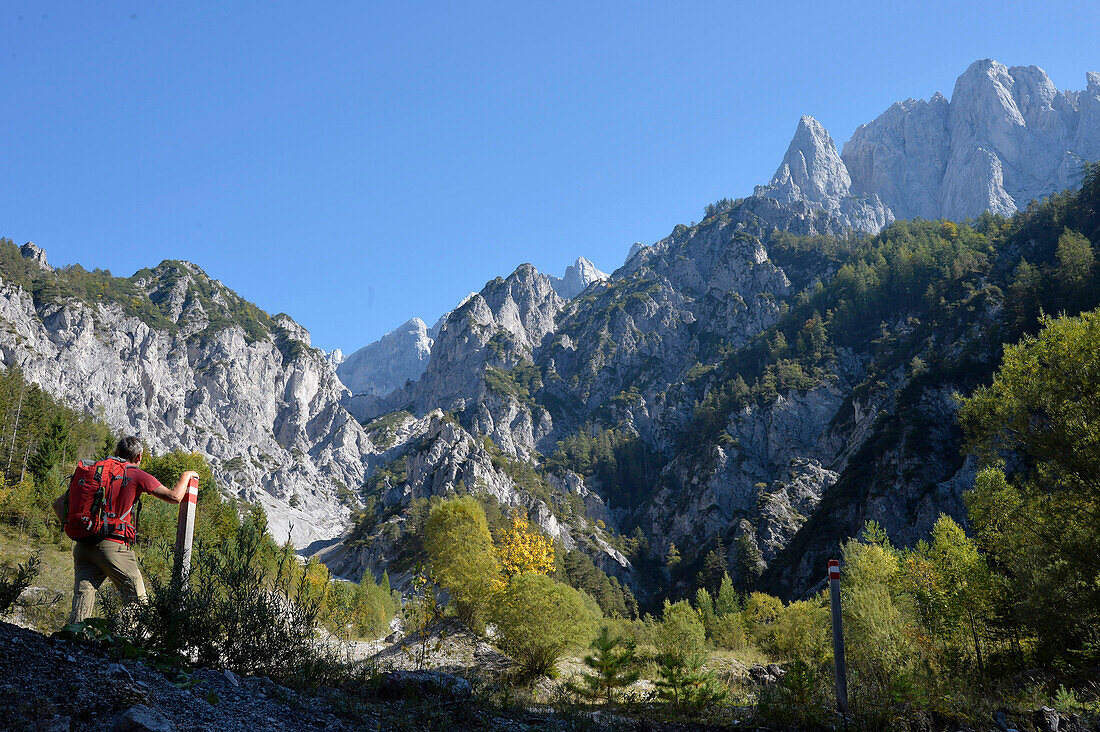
(800, 631)
(539, 619)
(801, 698)
(760, 612)
(729, 632)
(14, 580)
(686, 685)
(242, 608)
(889, 656)
(611, 665)
(464, 562)
(361, 610)
(680, 635)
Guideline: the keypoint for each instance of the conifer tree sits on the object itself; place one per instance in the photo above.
(672, 559)
(686, 685)
(714, 566)
(704, 605)
(727, 601)
(749, 560)
(611, 667)
(53, 446)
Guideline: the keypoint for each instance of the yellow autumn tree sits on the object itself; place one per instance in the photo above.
(525, 549)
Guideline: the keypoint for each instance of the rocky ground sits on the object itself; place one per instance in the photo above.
(52, 684)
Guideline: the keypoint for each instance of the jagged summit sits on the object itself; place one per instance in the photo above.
(813, 176)
(386, 364)
(36, 254)
(812, 166)
(578, 276)
(1006, 137)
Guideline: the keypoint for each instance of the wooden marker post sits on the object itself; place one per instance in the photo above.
(185, 531)
(838, 640)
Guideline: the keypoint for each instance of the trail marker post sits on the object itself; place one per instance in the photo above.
(838, 640)
(185, 530)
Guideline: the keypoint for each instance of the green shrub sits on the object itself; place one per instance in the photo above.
(802, 698)
(680, 635)
(761, 610)
(13, 580)
(801, 631)
(539, 619)
(362, 610)
(686, 685)
(611, 666)
(463, 560)
(729, 632)
(889, 657)
(242, 608)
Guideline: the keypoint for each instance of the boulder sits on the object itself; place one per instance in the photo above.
(140, 718)
(421, 684)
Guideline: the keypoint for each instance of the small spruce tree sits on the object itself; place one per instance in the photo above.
(611, 667)
(686, 685)
(52, 450)
(727, 601)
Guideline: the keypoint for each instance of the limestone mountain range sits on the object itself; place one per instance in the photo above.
(485, 399)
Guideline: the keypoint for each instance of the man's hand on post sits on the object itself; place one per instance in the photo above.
(176, 494)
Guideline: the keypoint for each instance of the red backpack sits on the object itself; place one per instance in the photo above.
(93, 511)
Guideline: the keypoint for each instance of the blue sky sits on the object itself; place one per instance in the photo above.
(356, 164)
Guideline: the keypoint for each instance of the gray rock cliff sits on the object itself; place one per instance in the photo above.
(578, 276)
(1007, 137)
(263, 406)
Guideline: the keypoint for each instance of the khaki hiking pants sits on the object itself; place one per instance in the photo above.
(93, 563)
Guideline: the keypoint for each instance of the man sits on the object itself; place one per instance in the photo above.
(112, 558)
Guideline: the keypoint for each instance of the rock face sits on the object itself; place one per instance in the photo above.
(578, 276)
(812, 171)
(1007, 137)
(36, 254)
(585, 399)
(531, 361)
(380, 367)
(501, 325)
(260, 403)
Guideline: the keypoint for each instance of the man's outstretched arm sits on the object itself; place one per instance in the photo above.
(175, 495)
(59, 507)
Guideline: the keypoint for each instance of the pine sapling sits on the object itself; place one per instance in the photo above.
(611, 667)
(686, 685)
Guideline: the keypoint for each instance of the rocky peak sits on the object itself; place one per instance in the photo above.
(812, 166)
(335, 357)
(386, 364)
(1007, 137)
(1086, 143)
(264, 410)
(578, 276)
(293, 330)
(901, 156)
(501, 325)
(523, 305)
(813, 177)
(36, 254)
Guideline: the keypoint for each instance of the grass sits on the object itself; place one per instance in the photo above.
(56, 574)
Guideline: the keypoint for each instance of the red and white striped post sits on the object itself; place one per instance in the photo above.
(185, 530)
(838, 639)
